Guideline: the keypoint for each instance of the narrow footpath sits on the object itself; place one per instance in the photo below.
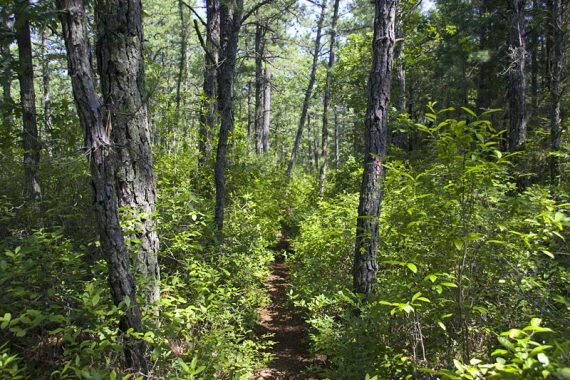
(289, 331)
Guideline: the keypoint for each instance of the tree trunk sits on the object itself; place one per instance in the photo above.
(557, 59)
(259, 79)
(6, 62)
(28, 100)
(517, 77)
(266, 107)
(182, 58)
(310, 141)
(230, 24)
(209, 108)
(308, 92)
(47, 91)
(326, 102)
(376, 131)
(400, 139)
(336, 139)
(102, 162)
(121, 69)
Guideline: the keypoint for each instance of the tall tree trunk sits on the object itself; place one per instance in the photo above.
(102, 163)
(517, 77)
(336, 139)
(230, 24)
(209, 108)
(250, 123)
(6, 62)
(28, 100)
(376, 131)
(309, 91)
(47, 90)
(400, 139)
(310, 141)
(259, 52)
(182, 58)
(557, 59)
(327, 100)
(266, 107)
(121, 69)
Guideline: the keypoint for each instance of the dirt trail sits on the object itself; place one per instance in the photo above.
(290, 333)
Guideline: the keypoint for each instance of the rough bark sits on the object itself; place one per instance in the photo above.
(28, 102)
(556, 59)
(230, 24)
(516, 76)
(308, 91)
(121, 70)
(376, 130)
(259, 87)
(209, 108)
(102, 157)
(327, 100)
(266, 108)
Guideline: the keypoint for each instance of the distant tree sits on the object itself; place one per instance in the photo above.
(28, 100)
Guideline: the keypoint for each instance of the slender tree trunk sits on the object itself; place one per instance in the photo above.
(310, 141)
(28, 99)
(6, 62)
(326, 102)
(102, 162)
(250, 123)
(336, 140)
(230, 24)
(266, 107)
(182, 58)
(47, 90)
(121, 69)
(376, 131)
(517, 77)
(400, 139)
(557, 59)
(208, 115)
(259, 52)
(309, 91)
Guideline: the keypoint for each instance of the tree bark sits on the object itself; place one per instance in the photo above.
(259, 87)
(209, 108)
(557, 59)
(103, 159)
(517, 76)
(326, 101)
(309, 91)
(376, 130)
(266, 107)
(121, 69)
(28, 101)
(230, 24)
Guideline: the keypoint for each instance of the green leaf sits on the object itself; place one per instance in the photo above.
(440, 324)
(412, 267)
(470, 112)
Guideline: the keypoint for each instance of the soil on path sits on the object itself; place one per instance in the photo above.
(289, 329)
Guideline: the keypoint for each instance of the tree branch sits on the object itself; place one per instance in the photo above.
(254, 9)
(194, 11)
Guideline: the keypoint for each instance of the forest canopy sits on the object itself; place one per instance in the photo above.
(284, 189)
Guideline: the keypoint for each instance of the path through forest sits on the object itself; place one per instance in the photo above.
(290, 333)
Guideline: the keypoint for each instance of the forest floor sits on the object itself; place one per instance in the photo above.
(291, 349)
